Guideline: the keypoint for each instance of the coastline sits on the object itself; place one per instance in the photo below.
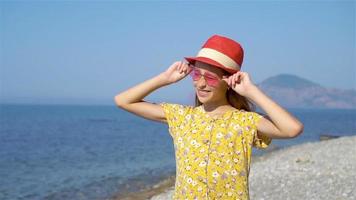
(162, 187)
(310, 167)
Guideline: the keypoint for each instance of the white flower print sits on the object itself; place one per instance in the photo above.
(194, 183)
(217, 162)
(188, 167)
(202, 150)
(238, 152)
(194, 131)
(231, 144)
(193, 142)
(227, 185)
(189, 180)
(180, 111)
(236, 127)
(219, 135)
(209, 127)
(236, 160)
(233, 172)
(215, 174)
(229, 194)
(200, 189)
(180, 140)
(188, 117)
(202, 164)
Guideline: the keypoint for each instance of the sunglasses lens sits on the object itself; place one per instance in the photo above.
(212, 82)
(210, 79)
(195, 75)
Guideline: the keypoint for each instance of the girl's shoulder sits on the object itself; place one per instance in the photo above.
(176, 105)
(246, 117)
(176, 108)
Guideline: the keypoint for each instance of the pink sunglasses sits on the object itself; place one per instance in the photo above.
(210, 79)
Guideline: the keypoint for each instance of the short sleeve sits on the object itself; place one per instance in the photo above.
(175, 114)
(259, 141)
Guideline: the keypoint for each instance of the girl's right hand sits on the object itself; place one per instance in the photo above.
(177, 71)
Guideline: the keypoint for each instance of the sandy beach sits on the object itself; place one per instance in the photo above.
(314, 170)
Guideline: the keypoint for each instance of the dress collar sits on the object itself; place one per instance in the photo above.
(224, 116)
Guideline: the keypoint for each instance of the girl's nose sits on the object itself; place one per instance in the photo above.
(201, 83)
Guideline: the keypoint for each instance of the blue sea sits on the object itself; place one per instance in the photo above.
(93, 152)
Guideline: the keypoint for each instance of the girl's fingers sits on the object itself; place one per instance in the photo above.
(233, 78)
(237, 78)
(190, 68)
(186, 67)
(180, 67)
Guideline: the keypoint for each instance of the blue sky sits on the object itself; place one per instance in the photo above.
(87, 52)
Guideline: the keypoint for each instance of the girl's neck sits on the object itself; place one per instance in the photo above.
(216, 107)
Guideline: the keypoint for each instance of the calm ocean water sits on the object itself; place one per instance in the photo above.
(93, 152)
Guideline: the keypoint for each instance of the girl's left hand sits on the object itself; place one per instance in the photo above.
(240, 82)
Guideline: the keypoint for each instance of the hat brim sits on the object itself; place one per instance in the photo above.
(210, 62)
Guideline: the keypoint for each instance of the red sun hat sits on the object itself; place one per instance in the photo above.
(222, 52)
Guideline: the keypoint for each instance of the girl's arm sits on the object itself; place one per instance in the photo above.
(132, 101)
(280, 123)
(283, 124)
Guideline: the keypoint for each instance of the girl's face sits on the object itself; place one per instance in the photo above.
(208, 83)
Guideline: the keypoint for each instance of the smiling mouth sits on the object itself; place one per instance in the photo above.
(203, 92)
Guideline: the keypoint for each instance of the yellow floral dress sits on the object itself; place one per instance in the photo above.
(212, 154)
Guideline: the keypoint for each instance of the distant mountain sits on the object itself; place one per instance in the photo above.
(296, 92)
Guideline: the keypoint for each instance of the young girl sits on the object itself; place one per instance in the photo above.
(213, 140)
